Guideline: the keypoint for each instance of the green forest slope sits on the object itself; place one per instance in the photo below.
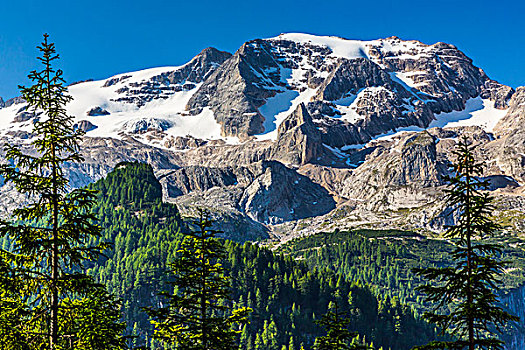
(286, 294)
(384, 259)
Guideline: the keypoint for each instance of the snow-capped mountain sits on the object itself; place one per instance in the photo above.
(151, 100)
(354, 90)
(299, 127)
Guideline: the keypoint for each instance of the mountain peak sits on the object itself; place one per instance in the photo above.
(213, 54)
(354, 89)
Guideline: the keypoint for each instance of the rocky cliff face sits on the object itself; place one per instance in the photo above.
(241, 129)
(236, 90)
(298, 139)
(413, 162)
(279, 194)
(266, 192)
(509, 146)
(373, 87)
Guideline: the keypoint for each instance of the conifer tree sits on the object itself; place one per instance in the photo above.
(468, 287)
(337, 337)
(49, 235)
(197, 315)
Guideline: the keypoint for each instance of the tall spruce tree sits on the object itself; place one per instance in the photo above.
(468, 287)
(48, 237)
(198, 314)
(338, 336)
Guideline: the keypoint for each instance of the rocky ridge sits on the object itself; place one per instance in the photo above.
(262, 134)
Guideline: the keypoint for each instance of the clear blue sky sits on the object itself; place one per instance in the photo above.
(100, 38)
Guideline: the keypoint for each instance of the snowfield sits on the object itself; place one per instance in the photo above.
(162, 108)
(352, 49)
(477, 111)
(167, 115)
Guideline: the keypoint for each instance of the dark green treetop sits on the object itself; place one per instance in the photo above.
(338, 336)
(199, 313)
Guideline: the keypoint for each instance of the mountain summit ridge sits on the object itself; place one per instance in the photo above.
(367, 126)
(356, 89)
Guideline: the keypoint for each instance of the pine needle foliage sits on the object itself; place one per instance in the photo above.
(198, 315)
(49, 235)
(338, 336)
(468, 288)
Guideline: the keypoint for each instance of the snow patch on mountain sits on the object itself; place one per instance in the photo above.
(352, 49)
(279, 107)
(7, 123)
(348, 105)
(478, 111)
(280, 103)
(408, 78)
(166, 115)
(144, 74)
(340, 47)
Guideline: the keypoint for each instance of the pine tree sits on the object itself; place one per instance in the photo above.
(195, 317)
(49, 235)
(468, 287)
(338, 336)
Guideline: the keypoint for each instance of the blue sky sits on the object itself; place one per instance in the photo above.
(100, 38)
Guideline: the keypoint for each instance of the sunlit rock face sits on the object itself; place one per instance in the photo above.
(361, 127)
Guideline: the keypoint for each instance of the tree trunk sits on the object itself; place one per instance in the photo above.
(203, 291)
(54, 260)
(470, 301)
(53, 329)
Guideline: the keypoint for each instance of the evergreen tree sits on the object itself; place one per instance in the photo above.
(48, 236)
(198, 315)
(337, 337)
(468, 288)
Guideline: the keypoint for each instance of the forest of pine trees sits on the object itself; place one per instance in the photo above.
(286, 295)
(112, 266)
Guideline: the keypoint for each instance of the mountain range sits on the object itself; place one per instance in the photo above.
(296, 133)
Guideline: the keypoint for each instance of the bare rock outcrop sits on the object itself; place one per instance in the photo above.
(298, 139)
(97, 111)
(236, 90)
(280, 194)
(84, 125)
